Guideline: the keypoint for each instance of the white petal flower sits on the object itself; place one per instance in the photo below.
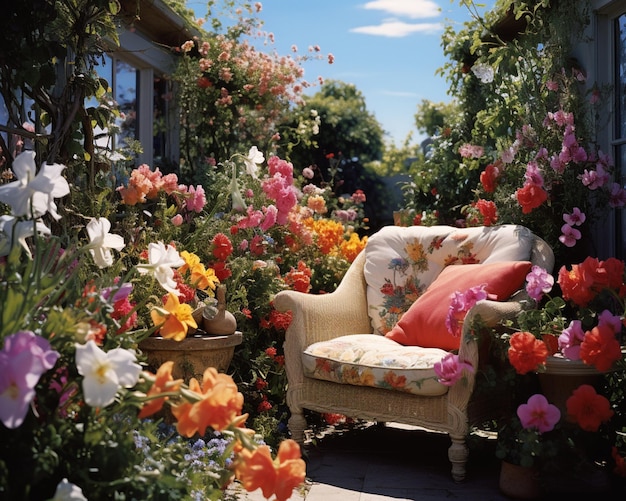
(14, 232)
(104, 373)
(101, 241)
(483, 72)
(161, 260)
(33, 193)
(253, 160)
(67, 491)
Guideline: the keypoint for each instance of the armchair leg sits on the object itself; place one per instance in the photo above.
(458, 454)
(297, 425)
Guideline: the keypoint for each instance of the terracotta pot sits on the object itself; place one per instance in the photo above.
(519, 482)
(192, 355)
(562, 376)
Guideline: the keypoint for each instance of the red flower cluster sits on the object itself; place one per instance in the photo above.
(530, 196)
(299, 279)
(222, 247)
(586, 280)
(489, 177)
(526, 352)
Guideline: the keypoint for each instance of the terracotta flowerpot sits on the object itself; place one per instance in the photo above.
(192, 355)
(519, 482)
(562, 376)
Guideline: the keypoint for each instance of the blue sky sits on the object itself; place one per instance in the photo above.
(389, 49)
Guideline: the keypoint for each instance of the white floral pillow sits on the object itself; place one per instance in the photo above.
(401, 262)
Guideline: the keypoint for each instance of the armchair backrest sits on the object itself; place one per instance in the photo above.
(401, 262)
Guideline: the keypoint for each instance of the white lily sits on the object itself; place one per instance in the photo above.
(253, 160)
(104, 373)
(33, 193)
(101, 241)
(13, 232)
(161, 260)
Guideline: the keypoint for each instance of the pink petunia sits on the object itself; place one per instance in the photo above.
(538, 282)
(571, 339)
(569, 236)
(576, 218)
(460, 304)
(538, 413)
(450, 369)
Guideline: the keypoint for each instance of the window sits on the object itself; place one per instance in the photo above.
(620, 124)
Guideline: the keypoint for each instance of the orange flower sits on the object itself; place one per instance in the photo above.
(174, 318)
(526, 352)
(576, 284)
(395, 381)
(588, 408)
(163, 383)
(218, 407)
(600, 347)
(256, 470)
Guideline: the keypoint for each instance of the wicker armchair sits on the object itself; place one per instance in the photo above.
(348, 311)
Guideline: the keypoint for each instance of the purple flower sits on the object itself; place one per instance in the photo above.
(538, 282)
(24, 358)
(570, 340)
(613, 321)
(450, 369)
(119, 292)
(460, 304)
(569, 235)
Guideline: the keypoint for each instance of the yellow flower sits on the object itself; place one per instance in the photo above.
(204, 278)
(350, 249)
(190, 259)
(173, 318)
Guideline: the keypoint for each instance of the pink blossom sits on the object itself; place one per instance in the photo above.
(552, 85)
(538, 282)
(308, 173)
(23, 359)
(460, 304)
(538, 413)
(177, 220)
(471, 151)
(576, 218)
(270, 218)
(197, 199)
(450, 369)
(252, 220)
(594, 179)
(617, 196)
(169, 183)
(570, 340)
(569, 235)
(613, 321)
(533, 174)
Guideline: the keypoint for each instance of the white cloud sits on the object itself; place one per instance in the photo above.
(398, 29)
(415, 9)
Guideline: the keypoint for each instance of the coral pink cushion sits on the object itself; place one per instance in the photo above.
(424, 323)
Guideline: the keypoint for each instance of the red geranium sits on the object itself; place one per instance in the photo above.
(576, 284)
(489, 177)
(530, 196)
(488, 211)
(222, 247)
(600, 347)
(526, 352)
(588, 408)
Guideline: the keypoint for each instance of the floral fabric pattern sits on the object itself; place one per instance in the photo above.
(373, 360)
(401, 262)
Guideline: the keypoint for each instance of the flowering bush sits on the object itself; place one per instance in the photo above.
(73, 389)
(583, 324)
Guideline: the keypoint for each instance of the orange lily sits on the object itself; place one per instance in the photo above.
(163, 383)
(256, 469)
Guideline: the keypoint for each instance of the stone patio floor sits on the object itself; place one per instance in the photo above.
(395, 462)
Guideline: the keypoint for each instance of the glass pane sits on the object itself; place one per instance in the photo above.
(159, 131)
(620, 74)
(126, 85)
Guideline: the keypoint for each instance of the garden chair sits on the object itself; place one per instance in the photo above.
(367, 350)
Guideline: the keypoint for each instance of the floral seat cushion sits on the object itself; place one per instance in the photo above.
(373, 360)
(401, 262)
